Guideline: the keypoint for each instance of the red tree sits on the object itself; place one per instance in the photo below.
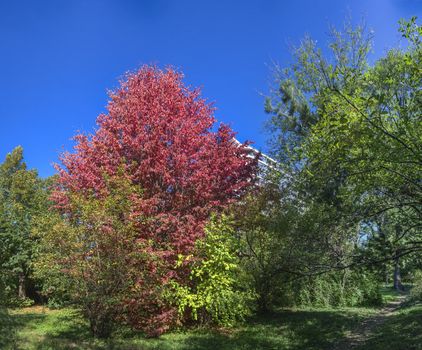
(160, 132)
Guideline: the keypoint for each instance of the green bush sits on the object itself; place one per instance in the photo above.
(219, 291)
(2, 290)
(54, 284)
(8, 292)
(334, 289)
(18, 302)
(416, 291)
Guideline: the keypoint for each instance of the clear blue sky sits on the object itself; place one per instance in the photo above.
(58, 58)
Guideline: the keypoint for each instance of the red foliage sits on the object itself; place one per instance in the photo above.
(161, 133)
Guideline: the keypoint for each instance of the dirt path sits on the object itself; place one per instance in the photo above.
(359, 335)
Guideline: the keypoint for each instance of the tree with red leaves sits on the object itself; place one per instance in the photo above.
(158, 136)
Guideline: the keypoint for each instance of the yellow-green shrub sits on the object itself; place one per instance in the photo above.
(219, 291)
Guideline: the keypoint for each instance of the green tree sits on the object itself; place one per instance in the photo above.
(49, 229)
(296, 254)
(20, 201)
(297, 99)
(349, 136)
(372, 138)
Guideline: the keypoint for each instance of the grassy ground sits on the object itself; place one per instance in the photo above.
(41, 329)
(389, 294)
(38, 328)
(401, 331)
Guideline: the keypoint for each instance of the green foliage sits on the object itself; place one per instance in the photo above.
(320, 232)
(297, 252)
(345, 288)
(411, 30)
(297, 100)
(85, 257)
(21, 200)
(401, 331)
(219, 291)
(349, 136)
(370, 137)
(416, 291)
(263, 223)
(20, 302)
(48, 264)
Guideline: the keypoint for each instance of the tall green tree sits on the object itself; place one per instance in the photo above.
(372, 138)
(350, 135)
(20, 197)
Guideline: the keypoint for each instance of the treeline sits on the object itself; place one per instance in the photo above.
(160, 220)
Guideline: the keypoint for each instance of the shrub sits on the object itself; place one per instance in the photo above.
(335, 289)
(416, 291)
(218, 290)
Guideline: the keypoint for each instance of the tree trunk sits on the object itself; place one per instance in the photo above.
(22, 289)
(263, 298)
(397, 277)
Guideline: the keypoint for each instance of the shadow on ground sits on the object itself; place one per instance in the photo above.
(400, 331)
(35, 328)
(282, 330)
(294, 330)
(10, 325)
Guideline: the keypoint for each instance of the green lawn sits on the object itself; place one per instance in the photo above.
(38, 328)
(41, 329)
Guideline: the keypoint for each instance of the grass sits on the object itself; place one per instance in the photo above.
(401, 331)
(38, 328)
(389, 293)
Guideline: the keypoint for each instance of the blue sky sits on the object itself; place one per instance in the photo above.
(58, 58)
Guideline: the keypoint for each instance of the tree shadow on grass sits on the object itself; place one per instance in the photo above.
(294, 330)
(400, 331)
(33, 328)
(282, 330)
(7, 331)
(67, 331)
(10, 325)
(313, 330)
